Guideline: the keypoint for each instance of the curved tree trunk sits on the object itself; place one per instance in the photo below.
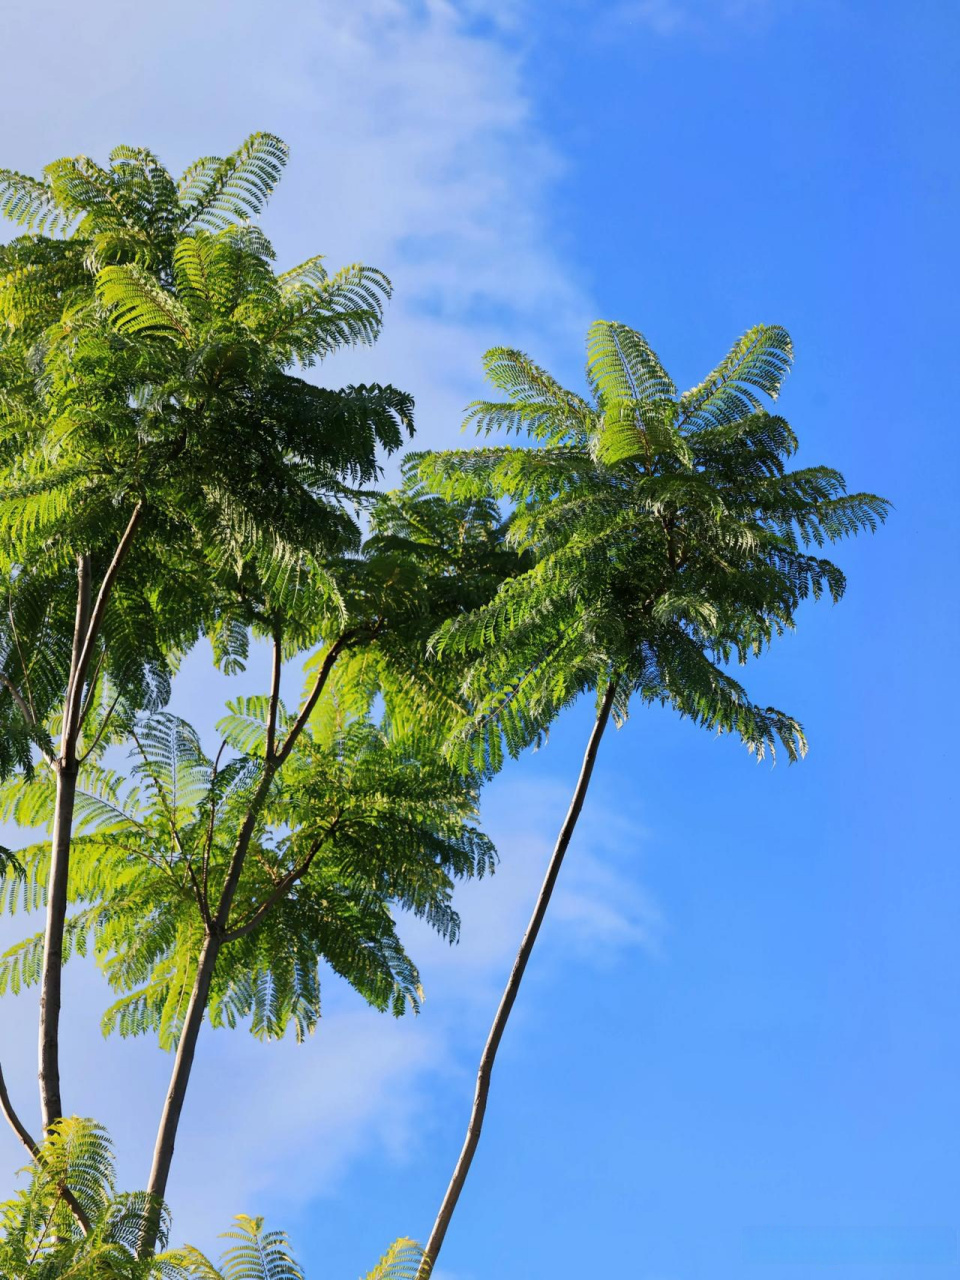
(489, 1055)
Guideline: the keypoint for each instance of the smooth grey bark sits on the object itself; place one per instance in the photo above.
(475, 1125)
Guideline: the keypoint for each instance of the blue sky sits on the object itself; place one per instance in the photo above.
(737, 1051)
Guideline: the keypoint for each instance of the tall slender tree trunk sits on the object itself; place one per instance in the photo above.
(207, 962)
(86, 631)
(190, 1034)
(51, 1106)
(196, 1008)
(179, 1079)
(489, 1055)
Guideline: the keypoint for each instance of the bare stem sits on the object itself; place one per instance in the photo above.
(87, 627)
(16, 1124)
(283, 887)
(274, 695)
(462, 1168)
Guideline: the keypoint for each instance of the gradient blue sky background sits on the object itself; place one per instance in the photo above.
(737, 1052)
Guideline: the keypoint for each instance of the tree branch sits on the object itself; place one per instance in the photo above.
(207, 961)
(161, 794)
(175, 836)
(271, 768)
(80, 630)
(274, 695)
(23, 665)
(82, 661)
(330, 657)
(26, 710)
(101, 731)
(88, 700)
(282, 888)
(199, 894)
(24, 707)
(208, 843)
(6, 1106)
(14, 1120)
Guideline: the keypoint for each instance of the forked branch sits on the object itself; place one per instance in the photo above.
(18, 1127)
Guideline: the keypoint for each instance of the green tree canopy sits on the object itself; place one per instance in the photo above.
(154, 382)
(341, 838)
(157, 445)
(668, 537)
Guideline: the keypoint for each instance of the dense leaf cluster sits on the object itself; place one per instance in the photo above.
(342, 839)
(227, 456)
(667, 533)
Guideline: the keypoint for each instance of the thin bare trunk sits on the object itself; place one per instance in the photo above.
(51, 1107)
(434, 1244)
(189, 1035)
(179, 1079)
(87, 626)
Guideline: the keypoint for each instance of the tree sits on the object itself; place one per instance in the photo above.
(340, 782)
(216, 886)
(148, 360)
(669, 538)
(153, 441)
(43, 1239)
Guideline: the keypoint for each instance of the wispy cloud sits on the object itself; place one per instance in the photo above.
(700, 18)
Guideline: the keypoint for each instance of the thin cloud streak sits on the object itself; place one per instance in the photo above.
(700, 19)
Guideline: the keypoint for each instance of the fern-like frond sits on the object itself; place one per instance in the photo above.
(400, 1262)
(621, 365)
(258, 1254)
(216, 193)
(758, 362)
(140, 306)
(31, 203)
